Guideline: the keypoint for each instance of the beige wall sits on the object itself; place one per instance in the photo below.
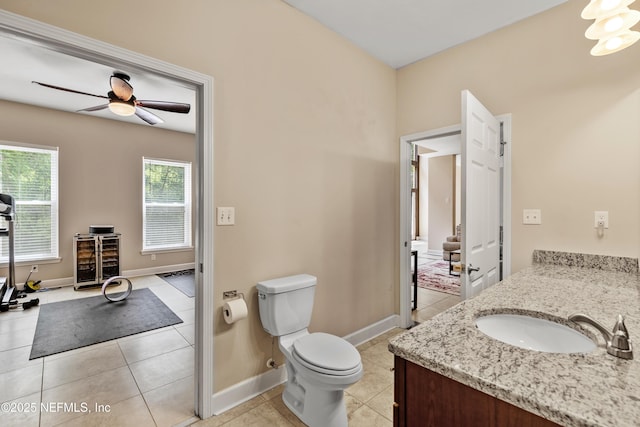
(576, 126)
(305, 149)
(100, 177)
(441, 199)
(306, 143)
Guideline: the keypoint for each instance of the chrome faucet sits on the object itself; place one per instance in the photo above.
(618, 342)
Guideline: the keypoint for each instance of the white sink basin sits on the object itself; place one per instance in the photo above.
(533, 333)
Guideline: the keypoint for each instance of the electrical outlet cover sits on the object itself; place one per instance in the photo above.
(601, 217)
(532, 216)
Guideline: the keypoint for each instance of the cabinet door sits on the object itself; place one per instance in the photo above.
(110, 264)
(86, 268)
(511, 416)
(433, 400)
(399, 409)
(427, 399)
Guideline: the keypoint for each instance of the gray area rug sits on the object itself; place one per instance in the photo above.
(184, 281)
(67, 325)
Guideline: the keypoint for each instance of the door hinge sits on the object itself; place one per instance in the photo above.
(502, 141)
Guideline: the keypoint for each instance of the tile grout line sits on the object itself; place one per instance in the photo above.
(146, 404)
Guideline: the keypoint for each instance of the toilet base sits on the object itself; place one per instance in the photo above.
(327, 407)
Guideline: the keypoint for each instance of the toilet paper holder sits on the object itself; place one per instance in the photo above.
(235, 307)
(232, 294)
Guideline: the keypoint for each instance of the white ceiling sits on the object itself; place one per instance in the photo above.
(24, 61)
(400, 32)
(397, 32)
(441, 145)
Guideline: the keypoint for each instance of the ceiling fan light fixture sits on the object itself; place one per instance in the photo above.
(122, 108)
(598, 8)
(121, 87)
(608, 26)
(615, 43)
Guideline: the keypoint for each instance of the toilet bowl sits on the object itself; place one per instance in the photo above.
(320, 366)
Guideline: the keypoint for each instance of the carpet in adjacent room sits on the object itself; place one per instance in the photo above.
(67, 325)
(435, 276)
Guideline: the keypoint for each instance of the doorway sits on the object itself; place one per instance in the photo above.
(436, 216)
(93, 50)
(407, 143)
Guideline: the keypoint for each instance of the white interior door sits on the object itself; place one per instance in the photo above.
(481, 162)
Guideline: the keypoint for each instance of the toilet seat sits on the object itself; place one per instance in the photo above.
(327, 354)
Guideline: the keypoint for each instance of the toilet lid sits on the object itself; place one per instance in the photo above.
(327, 354)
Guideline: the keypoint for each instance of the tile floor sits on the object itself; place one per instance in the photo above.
(369, 401)
(147, 379)
(140, 380)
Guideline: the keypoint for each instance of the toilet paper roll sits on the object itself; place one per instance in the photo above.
(234, 310)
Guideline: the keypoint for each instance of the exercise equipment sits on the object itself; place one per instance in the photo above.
(31, 285)
(115, 297)
(9, 294)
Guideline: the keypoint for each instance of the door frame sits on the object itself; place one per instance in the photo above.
(406, 142)
(95, 50)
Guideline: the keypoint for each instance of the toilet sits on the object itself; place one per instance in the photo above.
(319, 366)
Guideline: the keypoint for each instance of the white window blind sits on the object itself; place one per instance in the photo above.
(30, 175)
(166, 205)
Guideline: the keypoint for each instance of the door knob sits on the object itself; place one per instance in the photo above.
(471, 269)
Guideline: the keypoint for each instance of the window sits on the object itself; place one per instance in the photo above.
(166, 205)
(30, 175)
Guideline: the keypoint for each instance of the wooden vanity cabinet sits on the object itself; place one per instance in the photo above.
(423, 398)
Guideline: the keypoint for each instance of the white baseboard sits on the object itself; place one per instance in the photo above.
(158, 270)
(369, 332)
(51, 283)
(247, 389)
(252, 387)
(68, 281)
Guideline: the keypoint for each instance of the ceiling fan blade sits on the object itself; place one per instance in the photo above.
(96, 108)
(174, 107)
(148, 116)
(121, 87)
(69, 90)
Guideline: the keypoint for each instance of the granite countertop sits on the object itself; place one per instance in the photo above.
(593, 389)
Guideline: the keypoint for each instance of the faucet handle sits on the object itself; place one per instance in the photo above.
(620, 326)
(620, 338)
(618, 342)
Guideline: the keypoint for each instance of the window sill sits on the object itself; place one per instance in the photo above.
(166, 250)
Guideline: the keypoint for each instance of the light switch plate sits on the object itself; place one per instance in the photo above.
(532, 216)
(226, 216)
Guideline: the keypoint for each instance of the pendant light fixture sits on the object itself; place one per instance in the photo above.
(122, 108)
(613, 20)
(597, 8)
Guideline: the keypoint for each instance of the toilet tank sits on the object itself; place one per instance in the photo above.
(286, 303)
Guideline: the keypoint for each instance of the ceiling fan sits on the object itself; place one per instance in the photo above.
(123, 103)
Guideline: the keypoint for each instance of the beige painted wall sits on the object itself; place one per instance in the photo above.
(306, 143)
(576, 126)
(305, 149)
(441, 199)
(100, 164)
